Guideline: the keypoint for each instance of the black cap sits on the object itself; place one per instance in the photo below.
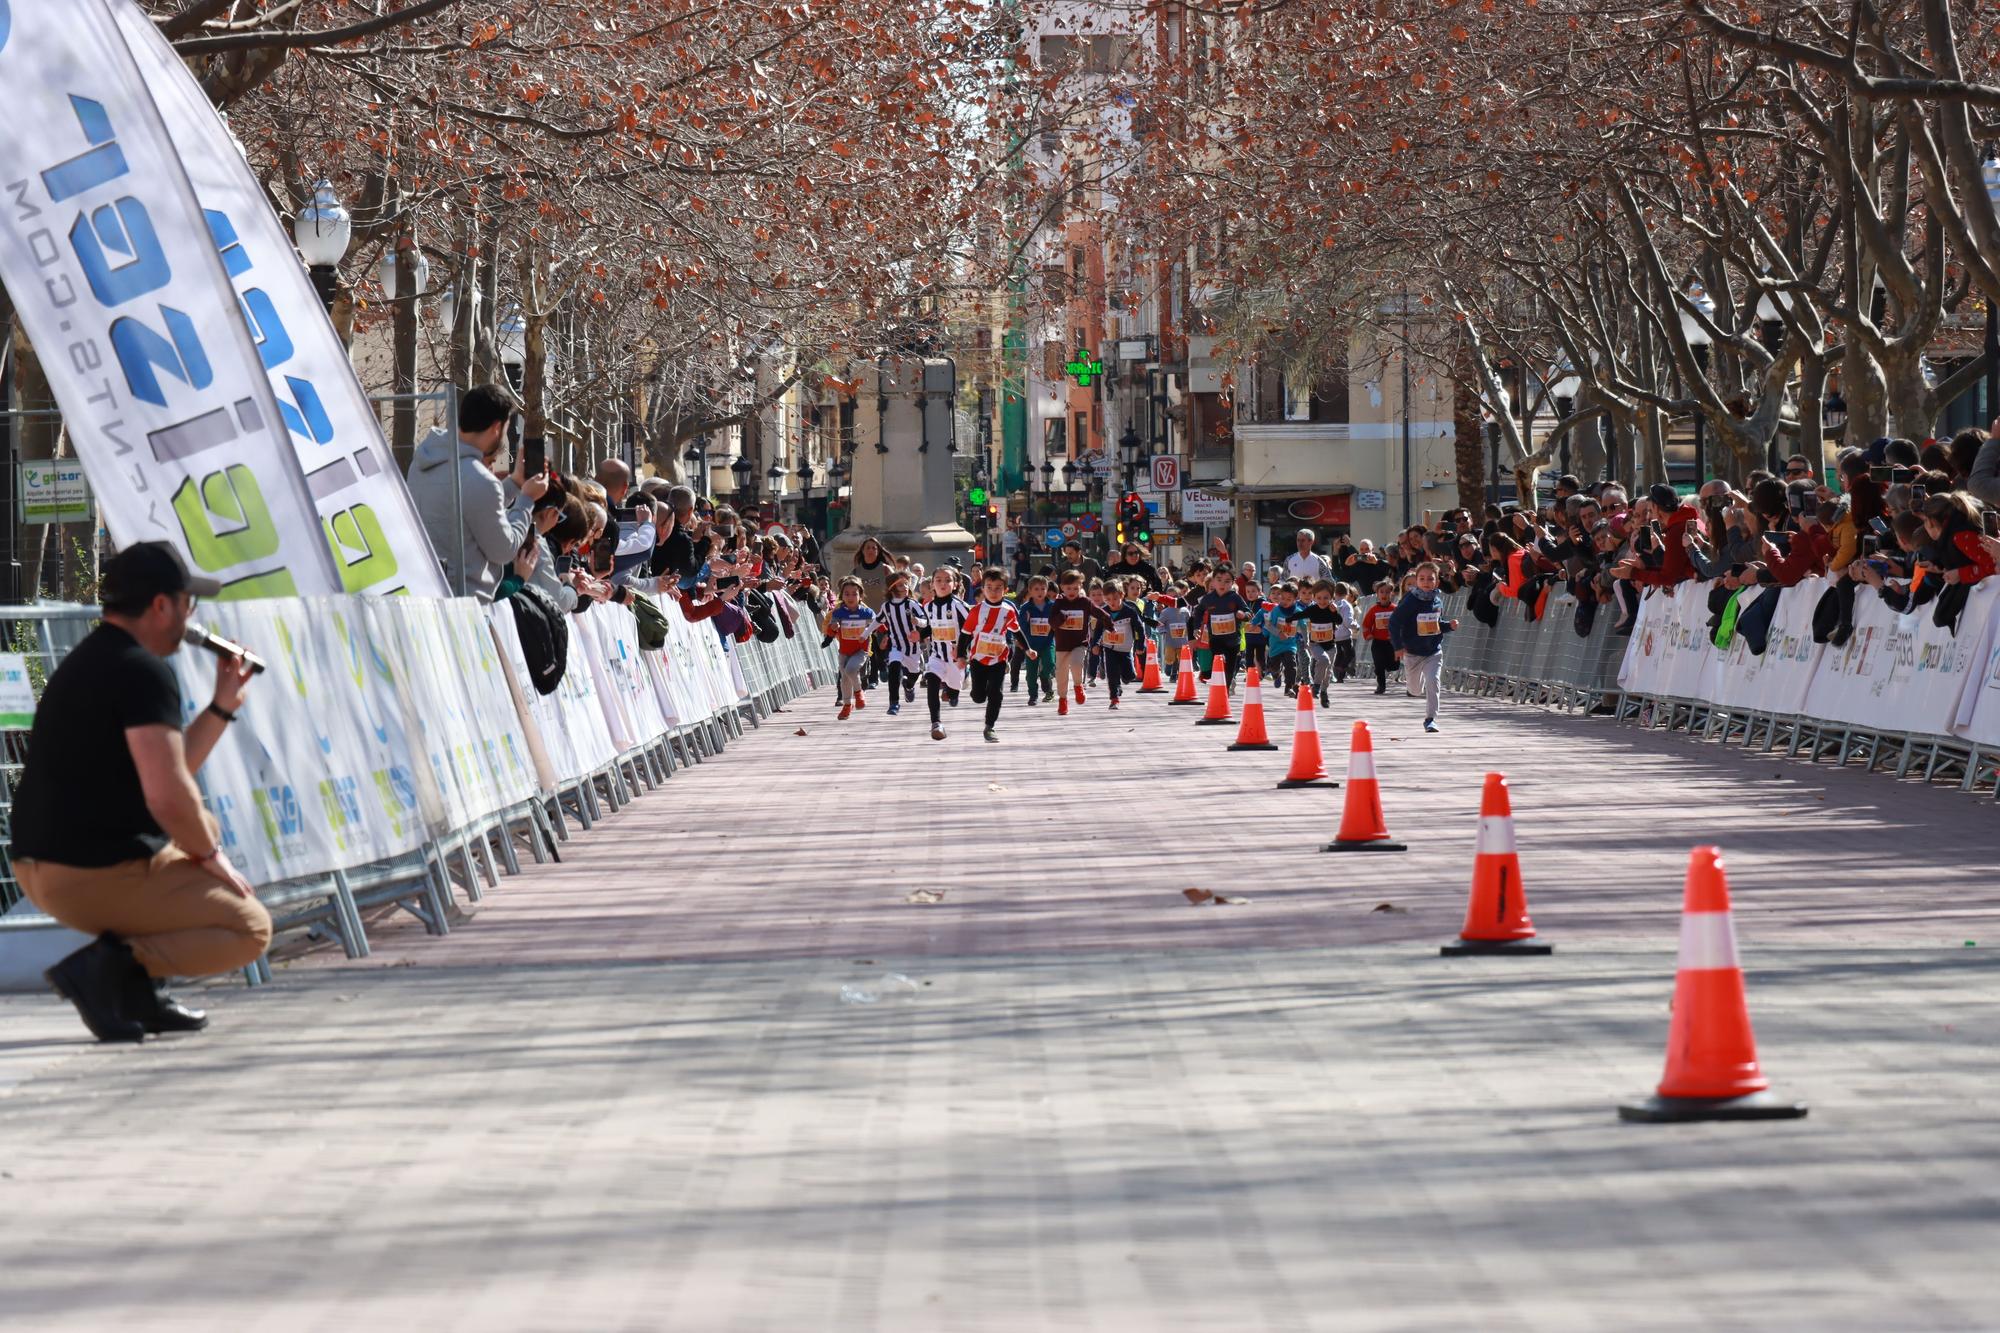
(145, 570)
(1664, 496)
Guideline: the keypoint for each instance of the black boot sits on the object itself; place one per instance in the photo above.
(147, 1000)
(94, 979)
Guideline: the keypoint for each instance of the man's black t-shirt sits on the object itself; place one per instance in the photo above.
(79, 802)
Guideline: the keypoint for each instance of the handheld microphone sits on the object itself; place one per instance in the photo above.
(198, 636)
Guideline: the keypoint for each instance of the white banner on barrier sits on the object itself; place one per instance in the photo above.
(1776, 680)
(115, 278)
(1978, 714)
(366, 515)
(1670, 653)
(1896, 673)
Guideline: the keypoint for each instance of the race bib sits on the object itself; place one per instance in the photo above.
(1177, 631)
(1117, 638)
(944, 629)
(1038, 628)
(1072, 620)
(1322, 634)
(1285, 629)
(1221, 624)
(989, 644)
(1427, 622)
(852, 637)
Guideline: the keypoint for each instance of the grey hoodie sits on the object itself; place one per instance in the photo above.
(485, 515)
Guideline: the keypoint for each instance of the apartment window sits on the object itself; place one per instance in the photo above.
(1082, 432)
(1053, 443)
(1086, 54)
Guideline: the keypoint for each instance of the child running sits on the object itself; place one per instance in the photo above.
(1322, 625)
(899, 617)
(1074, 616)
(1218, 622)
(1123, 628)
(1255, 641)
(850, 623)
(1173, 619)
(989, 629)
(1283, 623)
(1417, 629)
(943, 618)
(1037, 614)
(1375, 633)
(1343, 632)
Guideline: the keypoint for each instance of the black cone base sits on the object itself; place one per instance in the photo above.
(1215, 722)
(1307, 782)
(1380, 845)
(1528, 948)
(1265, 746)
(1675, 1110)
(1185, 703)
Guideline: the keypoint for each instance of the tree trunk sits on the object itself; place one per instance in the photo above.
(1468, 436)
(464, 301)
(405, 331)
(1867, 395)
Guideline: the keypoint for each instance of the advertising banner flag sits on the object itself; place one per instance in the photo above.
(119, 285)
(371, 527)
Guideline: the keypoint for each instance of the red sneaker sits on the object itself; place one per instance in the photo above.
(1079, 694)
(846, 711)
(859, 702)
(1062, 708)
(1114, 703)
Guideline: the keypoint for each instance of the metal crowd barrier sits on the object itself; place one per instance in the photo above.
(467, 859)
(1547, 663)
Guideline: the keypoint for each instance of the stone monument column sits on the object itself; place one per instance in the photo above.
(901, 475)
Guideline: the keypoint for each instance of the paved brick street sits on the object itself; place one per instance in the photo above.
(627, 1095)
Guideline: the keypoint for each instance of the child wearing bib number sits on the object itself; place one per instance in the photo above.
(1123, 628)
(1375, 633)
(850, 624)
(1073, 617)
(1038, 638)
(1284, 626)
(1343, 633)
(1417, 631)
(1322, 624)
(990, 628)
(941, 623)
(1218, 624)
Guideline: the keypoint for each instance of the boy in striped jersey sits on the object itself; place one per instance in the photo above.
(989, 629)
(898, 619)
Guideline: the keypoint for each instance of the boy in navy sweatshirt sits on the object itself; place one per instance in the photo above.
(1416, 631)
(1037, 612)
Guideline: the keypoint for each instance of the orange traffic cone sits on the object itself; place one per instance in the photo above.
(1496, 916)
(1152, 684)
(1712, 1071)
(1217, 713)
(1251, 736)
(1308, 767)
(1184, 681)
(1362, 828)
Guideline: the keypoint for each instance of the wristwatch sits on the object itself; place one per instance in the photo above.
(220, 712)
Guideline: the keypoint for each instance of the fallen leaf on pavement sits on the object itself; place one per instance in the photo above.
(925, 896)
(800, 732)
(1390, 907)
(1196, 896)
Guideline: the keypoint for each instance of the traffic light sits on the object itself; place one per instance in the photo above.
(992, 514)
(1132, 523)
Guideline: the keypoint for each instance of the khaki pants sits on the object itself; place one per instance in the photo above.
(179, 921)
(1069, 670)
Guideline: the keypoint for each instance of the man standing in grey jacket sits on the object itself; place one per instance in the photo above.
(477, 523)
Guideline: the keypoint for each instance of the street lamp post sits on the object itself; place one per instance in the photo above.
(741, 468)
(1128, 448)
(323, 231)
(696, 457)
(1699, 343)
(775, 475)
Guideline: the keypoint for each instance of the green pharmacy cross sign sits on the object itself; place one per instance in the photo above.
(1085, 368)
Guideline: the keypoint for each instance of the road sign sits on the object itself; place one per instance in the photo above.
(1053, 539)
(1069, 530)
(1088, 523)
(1201, 507)
(1166, 472)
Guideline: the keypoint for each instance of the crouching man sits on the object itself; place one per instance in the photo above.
(110, 837)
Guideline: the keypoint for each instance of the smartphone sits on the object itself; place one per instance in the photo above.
(625, 514)
(1918, 494)
(1902, 475)
(1879, 526)
(1992, 520)
(1781, 540)
(1868, 547)
(1880, 474)
(535, 456)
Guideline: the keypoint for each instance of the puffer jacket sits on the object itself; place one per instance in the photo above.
(491, 523)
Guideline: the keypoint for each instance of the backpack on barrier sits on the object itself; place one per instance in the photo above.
(544, 634)
(652, 622)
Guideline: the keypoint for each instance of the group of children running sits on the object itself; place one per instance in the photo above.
(1065, 632)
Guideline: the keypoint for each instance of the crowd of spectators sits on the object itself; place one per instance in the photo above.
(558, 545)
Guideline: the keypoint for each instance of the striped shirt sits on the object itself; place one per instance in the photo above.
(991, 625)
(944, 617)
(901, 618)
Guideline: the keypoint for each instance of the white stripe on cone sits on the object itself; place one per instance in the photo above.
(1253, 695)
(1306, 720)
(1361, 764)
(1496, 835)
(1708, 942)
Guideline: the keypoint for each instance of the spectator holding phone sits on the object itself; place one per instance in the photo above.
(477, 523)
